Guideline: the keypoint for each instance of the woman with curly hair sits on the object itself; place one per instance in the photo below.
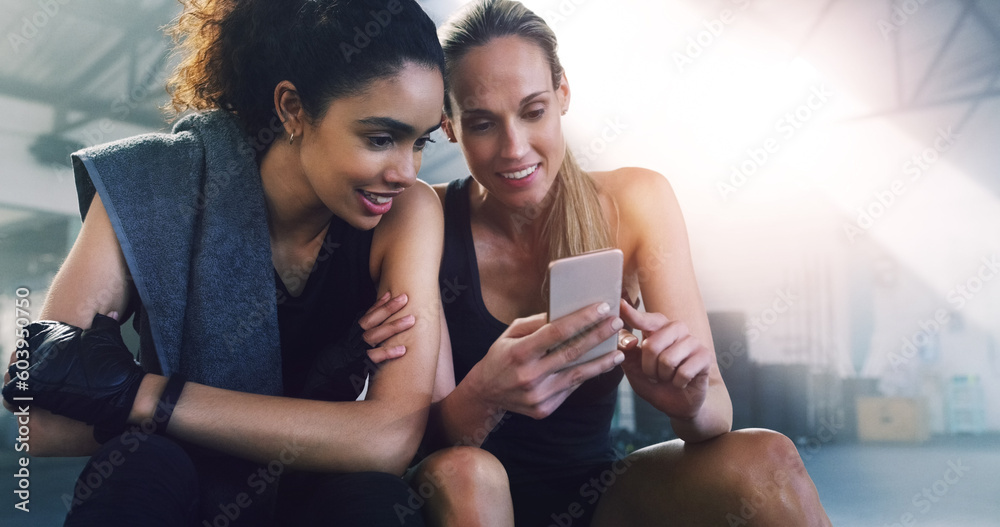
(248, 244)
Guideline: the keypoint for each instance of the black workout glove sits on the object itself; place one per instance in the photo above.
(86, 375)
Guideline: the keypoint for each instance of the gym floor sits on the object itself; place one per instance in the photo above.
(944, 482)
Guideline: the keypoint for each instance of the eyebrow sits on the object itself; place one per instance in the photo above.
(524, 100)
(394, 125)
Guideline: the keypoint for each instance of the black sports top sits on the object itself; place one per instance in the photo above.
(338, 291)
(574, 435)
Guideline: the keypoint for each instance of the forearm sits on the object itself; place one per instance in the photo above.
(461, 418)
(323, 436)
(713, 419)
(53, 435)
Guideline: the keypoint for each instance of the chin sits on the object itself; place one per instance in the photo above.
(365, 223)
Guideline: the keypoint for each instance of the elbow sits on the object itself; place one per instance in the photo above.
(395, 466)
(397, 448)
(393, 457)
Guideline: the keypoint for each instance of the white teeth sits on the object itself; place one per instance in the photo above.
(376, 199)
(521, 174)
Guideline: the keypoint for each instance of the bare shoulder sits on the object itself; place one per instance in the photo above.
(419, 200)
(414, 224)
(637, 192)
(441, 189)
(415, 210)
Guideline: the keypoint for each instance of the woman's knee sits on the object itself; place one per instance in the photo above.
(129, 472)
(768, 478)
(765, 455)
(137, 457)
(464, 486)
(462, 467)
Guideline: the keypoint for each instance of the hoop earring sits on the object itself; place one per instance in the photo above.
(291, 138)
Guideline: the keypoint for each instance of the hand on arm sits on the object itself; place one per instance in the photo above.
(377, 434)
(378, 328)
(380, 433)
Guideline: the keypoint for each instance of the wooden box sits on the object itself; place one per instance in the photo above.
(891, 419)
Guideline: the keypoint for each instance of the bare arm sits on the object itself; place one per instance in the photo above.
(93, 279)
(677, 351)
(380, 433)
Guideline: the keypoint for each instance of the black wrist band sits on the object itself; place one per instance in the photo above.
(168, 400)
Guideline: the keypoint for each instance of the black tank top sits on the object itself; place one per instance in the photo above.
(338, 291)
(578, 432)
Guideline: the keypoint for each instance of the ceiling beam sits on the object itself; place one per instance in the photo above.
(145, 114)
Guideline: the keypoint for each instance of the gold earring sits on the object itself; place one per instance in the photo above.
(291, 138)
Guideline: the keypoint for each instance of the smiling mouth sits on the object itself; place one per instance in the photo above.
(520, 174)
(375, 198)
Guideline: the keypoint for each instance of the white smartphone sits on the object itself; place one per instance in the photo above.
(579, 281)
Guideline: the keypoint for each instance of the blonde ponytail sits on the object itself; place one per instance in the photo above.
(576, 223)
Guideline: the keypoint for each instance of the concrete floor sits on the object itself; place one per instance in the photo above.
(945, 482)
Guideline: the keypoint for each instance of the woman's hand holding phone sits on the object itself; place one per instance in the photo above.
(525, 370)
(670, 368)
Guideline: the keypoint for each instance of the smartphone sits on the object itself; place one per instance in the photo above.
(579, 281)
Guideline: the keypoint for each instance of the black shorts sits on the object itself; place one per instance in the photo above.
(560, 498)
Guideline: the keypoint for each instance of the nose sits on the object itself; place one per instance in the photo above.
(403, 171)
(515, 143)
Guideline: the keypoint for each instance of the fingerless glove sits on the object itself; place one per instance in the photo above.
(86, 375)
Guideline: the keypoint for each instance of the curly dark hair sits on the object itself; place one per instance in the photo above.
(234, 52)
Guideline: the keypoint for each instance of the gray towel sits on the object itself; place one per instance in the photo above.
(188, 209)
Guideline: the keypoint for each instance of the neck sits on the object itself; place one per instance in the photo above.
(521, 225)
(294, 212)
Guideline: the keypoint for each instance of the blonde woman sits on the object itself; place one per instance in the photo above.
(526, 204)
